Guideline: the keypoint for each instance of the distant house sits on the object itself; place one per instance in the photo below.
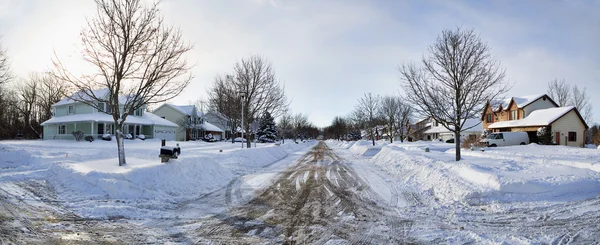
(219, 120)
(438, 132)
(70, 116)
(417, 130)
(189, 121)
(530, 113)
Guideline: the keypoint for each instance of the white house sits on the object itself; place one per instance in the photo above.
(70, 116)
(438, 132)
(190, 122)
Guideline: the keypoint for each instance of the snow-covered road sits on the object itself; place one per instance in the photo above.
(332, 193)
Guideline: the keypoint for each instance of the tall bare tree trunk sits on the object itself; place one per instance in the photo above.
(457, 144)
(120, 145)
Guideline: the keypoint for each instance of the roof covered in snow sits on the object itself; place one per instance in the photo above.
(210, 127)
(521, 101)
(542, 117)
(98, 93)
(147, 118)
(471, 125)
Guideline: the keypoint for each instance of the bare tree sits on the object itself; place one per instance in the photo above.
(255, 78)
(5, 74)
(50, 92)
(581, 101)
(560, 92)
(300, 124)
(285, 126)
(339, 127)
(389, 110)
(137, 57)
(455, 81)
(28, 97)
(368, 110)
(223, 98)
(565, 94)
(403, 114)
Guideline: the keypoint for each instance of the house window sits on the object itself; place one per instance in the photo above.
(72, 109)
(101, 107)
(109, 129)
(513, 115)
(572, 136)
(489, 118)
(53, 111)
(100, 128)
(138, 112)
(62, 129)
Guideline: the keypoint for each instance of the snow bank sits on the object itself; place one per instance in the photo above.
(141, 178)
(503, 174)
(12, 158)
(86, 176)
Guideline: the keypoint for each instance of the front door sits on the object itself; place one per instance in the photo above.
(557, 137)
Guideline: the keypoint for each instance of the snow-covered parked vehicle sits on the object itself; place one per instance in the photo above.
(506, 139)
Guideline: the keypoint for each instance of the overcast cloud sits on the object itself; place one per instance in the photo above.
(328, 53)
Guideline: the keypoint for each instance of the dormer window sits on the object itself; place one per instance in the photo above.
(138, 112)
(101, 107)
(71, 109)
(53, 111)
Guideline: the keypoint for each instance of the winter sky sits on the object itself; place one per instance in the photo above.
(328, 53)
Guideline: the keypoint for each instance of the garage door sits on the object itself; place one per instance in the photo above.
(164, 133)
(217, 136)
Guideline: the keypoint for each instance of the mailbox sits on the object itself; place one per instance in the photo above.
(167, 152)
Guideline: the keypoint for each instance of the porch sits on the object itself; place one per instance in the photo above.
(95, 129)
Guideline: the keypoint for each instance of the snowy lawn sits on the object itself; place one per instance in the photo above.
(502, 174)
(86, 176)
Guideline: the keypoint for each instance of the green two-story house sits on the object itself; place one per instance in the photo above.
(70, 116)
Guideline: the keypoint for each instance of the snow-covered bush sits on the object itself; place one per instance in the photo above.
(89, 138)
(141, 136)
(485, 133)
(128, 136)
(78, 135)
(107, 137)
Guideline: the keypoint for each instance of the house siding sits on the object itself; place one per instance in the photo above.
(174, 116)
(570, 122)
(537, 105)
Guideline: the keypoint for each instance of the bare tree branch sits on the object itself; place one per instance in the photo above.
(137, 58)
(455, 81)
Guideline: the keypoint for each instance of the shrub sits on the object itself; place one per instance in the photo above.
(107, 137)
(470, 141)
(89, 138)
(141, 136)
(128, 137)
(78, 135)
(544, 135)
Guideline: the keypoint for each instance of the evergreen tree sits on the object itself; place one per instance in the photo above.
(267, 132)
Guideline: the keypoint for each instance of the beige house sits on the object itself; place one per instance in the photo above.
(568, 127)
(190, 122)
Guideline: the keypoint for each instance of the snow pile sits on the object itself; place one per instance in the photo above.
(366, 148)
(86, 176)
(12, 158)
(502, 174)
(140, 178)
(447, 181)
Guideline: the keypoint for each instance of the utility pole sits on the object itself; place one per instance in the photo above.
(243, 94)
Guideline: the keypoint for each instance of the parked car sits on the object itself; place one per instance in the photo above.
(450, 140)
(239, 139)
(506, 139)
